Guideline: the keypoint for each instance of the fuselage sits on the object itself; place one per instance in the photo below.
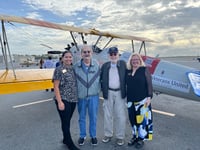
(171, 78)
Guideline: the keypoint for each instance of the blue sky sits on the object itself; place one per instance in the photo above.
(174, 24)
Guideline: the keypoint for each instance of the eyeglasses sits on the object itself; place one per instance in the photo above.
(86, 52)
(135, 59)
(113, 54)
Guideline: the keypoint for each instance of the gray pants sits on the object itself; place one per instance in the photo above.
(114, 112)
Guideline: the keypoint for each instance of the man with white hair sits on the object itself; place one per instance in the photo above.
(114, 93)
(87, 71)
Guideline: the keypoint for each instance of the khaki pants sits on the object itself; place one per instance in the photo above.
(114, 114)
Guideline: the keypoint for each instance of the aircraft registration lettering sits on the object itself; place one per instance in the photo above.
(172, 84)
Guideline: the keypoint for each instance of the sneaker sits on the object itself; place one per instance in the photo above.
(94, 141)
(120, 142)
(132, 142)
(106, 139)
(139, 144)
(81, 141)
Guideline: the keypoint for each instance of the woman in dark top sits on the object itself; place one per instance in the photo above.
(65, 89)
(139, 94)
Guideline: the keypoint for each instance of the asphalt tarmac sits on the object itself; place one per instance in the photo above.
(29, 121)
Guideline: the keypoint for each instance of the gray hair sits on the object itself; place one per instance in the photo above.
(84, 46)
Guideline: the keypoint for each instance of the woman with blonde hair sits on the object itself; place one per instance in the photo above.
(139, 94)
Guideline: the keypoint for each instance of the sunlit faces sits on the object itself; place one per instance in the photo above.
(135, 61)
(67, 59)
(113, 57)
(86, 52)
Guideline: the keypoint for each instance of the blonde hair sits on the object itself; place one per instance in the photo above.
(129, 65)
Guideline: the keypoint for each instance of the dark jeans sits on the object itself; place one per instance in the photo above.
(65, 116)
(131, 115)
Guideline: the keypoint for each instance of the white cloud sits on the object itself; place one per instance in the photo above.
(34, 15)
(174, 24)
(193, 3)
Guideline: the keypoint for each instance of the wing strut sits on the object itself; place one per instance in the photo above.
(108, 42)
(83, 40)
(95, 45)
(143, 45)
(4, 55)
(75, 43)
(5, 48)
(97, 40)
(132, 43)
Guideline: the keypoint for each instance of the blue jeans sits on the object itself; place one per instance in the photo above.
(91, 104)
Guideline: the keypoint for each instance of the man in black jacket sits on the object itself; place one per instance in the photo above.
(114, 93)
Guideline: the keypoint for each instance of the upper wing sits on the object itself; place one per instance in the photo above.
(70, 28)
(38, 79)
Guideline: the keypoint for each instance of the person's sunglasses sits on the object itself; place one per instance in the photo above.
(113, 54)
(86, 52)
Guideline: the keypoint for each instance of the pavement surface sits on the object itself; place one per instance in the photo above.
(27, 125)
(29, 121)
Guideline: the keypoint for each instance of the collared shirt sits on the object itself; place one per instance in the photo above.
(121, 67)
(114, 77)
(68, 85)
(85, 68)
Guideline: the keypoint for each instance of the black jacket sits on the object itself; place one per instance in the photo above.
(121, 66)
(139, 86)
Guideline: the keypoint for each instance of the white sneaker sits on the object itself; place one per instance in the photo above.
(120, 142)
(106, 139)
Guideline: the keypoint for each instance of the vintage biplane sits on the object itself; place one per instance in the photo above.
(168, 78)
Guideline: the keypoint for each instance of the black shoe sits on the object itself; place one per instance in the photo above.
(70, 146)
(81, 141)
(132, 142)
(73, 147)
(139, 144)
(94, 141)
(64, 142)
(47, 90)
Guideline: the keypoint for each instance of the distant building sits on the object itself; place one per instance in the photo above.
(22, 58)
